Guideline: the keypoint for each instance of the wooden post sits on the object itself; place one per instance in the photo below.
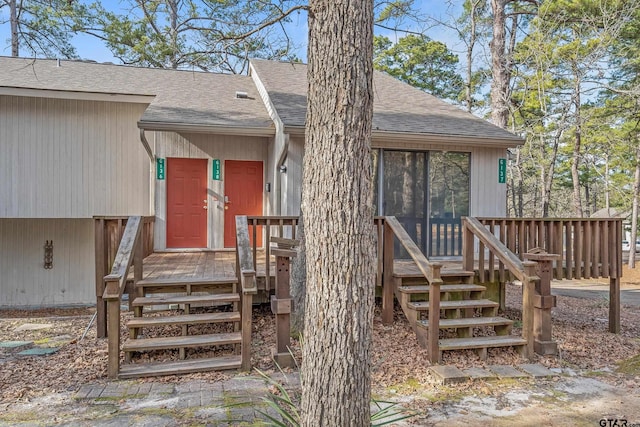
(101, 271)
(467, 247)
(113, 328)
(387, 276)
(281, 303)
(543, 302)
(614, 305)
(246, 313)
(433, 345)
(528, 292)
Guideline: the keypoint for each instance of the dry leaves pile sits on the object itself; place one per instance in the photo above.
(579, 327)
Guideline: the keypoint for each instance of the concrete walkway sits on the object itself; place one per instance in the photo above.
(629, 294)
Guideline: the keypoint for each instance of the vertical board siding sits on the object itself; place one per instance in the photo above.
(488, 197)
(65, 158)
(205, 146)
(23, 280)
(292, 179)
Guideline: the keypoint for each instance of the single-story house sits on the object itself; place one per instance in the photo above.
(80, 140)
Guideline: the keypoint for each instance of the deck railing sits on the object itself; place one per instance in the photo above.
(524, 271)
(392, 229)
(588, 247)
(130, 251)
(245, 268)
(276, 226)
(108, 235)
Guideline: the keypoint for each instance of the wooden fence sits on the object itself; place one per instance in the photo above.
(108, 234)
(588, 247)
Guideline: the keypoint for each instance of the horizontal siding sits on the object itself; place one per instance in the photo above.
(64, 158)
(23, 280)
(204, 146)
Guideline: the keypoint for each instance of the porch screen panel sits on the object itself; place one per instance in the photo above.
(404, 196)
(448, 200)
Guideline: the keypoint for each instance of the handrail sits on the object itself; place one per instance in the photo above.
(245, 269)
(431, 272)
(523, 270)
(267, 222)
(108, 231)
(130, 248)
(247, 272)
(117, 279)
(508, 258)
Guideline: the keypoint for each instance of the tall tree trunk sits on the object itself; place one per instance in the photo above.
(634, 212)
(172, 5)
(473, 36)
(13, 17)
(499, 71)
(548, 181)
(337, 204)
(577, 143)
(299, 281)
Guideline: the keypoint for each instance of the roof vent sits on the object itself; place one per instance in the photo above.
(241, 95)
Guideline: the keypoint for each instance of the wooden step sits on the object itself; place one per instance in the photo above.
(409, 274)
(481, 342)
(179, 368)
(182, 342)
(187, 281)
(469, 322)
(186, 319)
(451, 305)
(185, 285)
(424, 289)
(185, 299)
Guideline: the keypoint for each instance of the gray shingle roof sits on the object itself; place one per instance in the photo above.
(181, 97)
(398, 107)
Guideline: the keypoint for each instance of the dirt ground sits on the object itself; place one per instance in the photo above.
(602, 368)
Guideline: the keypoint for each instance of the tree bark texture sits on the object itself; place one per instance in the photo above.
(499, 71)
(299, 281)
(634, 212)
(13, 17)
(337, 206)
(577, 147)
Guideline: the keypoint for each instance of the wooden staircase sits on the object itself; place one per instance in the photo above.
(173, 316)
(467, 319)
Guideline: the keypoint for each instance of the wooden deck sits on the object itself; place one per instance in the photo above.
(190, 265)
(218, 264)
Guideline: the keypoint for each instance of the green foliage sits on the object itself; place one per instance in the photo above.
(45, 29)
(423, 63)
(208, 35)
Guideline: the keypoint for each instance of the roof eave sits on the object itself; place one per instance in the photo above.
(380, 137)
(209, 129)
(76, 95)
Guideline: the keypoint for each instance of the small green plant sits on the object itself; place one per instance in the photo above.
(285, 405)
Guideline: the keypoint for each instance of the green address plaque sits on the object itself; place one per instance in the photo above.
(160, 168)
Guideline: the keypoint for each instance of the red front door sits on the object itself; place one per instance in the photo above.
(243, 196)
(186, 203)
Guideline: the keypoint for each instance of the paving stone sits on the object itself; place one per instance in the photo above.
(162, 388)
(38, 351)
(537, 370)
(33, 327)
(14, 344)
(144, 388)
(506, 371)
(479, 373)
(446, 374)
(83, 392)
(95, 391)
